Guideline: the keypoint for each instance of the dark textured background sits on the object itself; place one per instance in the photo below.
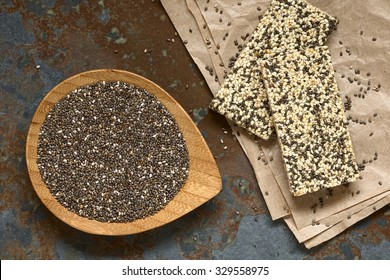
(71, 36)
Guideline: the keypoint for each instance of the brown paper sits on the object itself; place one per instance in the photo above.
(318, 227)
(276, 203)
(303, 216)
(361, 54)
(340, 227)
(188, 29)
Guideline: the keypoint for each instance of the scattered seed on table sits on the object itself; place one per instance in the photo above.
(112, 152)
(374, 39)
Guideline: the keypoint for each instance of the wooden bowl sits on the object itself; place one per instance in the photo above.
(203, 182)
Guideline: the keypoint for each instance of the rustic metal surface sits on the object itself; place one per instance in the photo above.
(43, 42)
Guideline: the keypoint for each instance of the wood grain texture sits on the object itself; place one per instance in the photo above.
(203, 182)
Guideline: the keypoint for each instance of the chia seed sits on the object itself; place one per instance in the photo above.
(112, 152)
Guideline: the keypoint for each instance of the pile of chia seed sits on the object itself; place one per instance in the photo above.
(112, 152)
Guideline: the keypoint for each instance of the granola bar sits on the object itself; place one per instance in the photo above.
(309, 119)
(287, 24)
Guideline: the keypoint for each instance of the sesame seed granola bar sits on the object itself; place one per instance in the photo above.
(309, 119)
(286, 24)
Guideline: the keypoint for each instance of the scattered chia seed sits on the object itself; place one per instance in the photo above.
(111, 152)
